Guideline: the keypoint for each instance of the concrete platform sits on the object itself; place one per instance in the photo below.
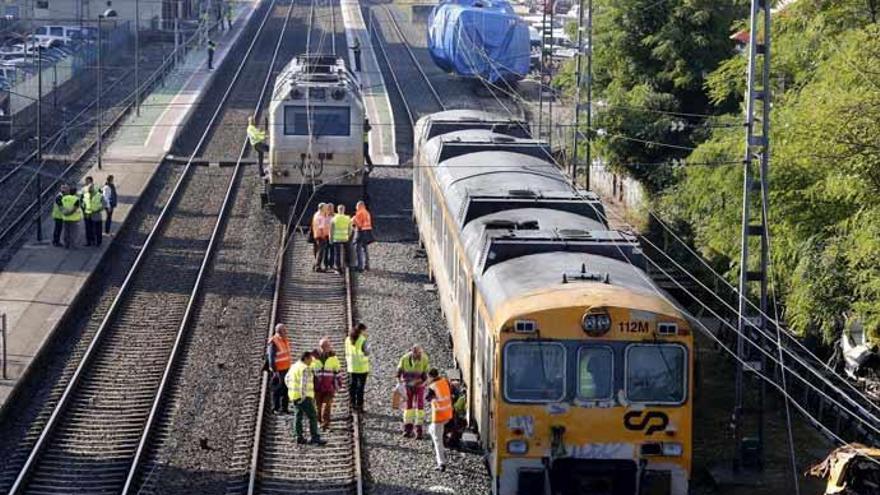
(41, 283)
(382, 136)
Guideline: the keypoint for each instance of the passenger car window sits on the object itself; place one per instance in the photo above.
(56, 31)
(595, 373)
(656, 373)
(534, 372)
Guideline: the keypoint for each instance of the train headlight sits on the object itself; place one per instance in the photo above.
(596, 324)
(517, 447)
(296, 94)
(672, 449)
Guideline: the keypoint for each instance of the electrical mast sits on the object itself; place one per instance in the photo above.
(753, 266)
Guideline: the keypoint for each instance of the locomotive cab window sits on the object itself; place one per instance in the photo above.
(534, 372)
(595, 373)
(656, 374)
(317, 121)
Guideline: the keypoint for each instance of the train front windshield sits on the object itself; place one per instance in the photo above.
(557, 371)
(300, 120)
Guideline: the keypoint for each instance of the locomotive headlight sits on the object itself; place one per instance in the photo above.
(672, 449)
(517, 447)
(596, 324)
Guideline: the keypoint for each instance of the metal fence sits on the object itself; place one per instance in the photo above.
(116, 40)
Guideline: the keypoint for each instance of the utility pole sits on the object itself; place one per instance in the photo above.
(546, 51)
(589, 165)
(98, 96)
(137, 57)
(750, 450)
(579, 84)
(38, 217)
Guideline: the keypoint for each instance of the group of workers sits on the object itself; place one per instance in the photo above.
(333, 231)
(87, 204)
(311, 383)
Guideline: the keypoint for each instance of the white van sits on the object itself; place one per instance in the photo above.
(52, 36)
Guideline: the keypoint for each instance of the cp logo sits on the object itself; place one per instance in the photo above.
(650, 421)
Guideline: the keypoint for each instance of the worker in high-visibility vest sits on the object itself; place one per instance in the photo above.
(340, 234)
(71, 214)
(301, 391)
(357, 359)
(320, 234)
(92, 206)
(58, 214)
(412, 371)
(363, 236)
(279, 359)
(257, 138)
(440, 395)
(328, 380)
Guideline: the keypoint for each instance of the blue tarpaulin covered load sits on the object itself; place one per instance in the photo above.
(479, 38)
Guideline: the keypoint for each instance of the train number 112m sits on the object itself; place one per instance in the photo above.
(634, 326)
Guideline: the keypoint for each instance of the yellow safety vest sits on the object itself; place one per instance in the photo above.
(56, 210)
(340, 228)
(93, 201)
(69, 208)
(300, 382)
(255, 134)
(413, 368)
(357, 361)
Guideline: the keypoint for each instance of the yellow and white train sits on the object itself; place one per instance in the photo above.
(580, 372)
(316, 125)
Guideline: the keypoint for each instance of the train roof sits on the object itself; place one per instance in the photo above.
(315, 70)
(548, 280)
(508, 234)
(456, 120)
(460, 142)
(483, 182)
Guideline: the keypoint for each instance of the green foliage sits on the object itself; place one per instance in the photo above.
(825, 173)
(652, 57)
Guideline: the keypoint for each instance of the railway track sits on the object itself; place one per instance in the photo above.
(417, 92)
(101, 426)
(77, 140)
(313, 305)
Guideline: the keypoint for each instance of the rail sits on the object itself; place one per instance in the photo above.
(125, 289)
(14, 230)
(411, 114)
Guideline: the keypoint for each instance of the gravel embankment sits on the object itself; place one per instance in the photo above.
(199, 426)
(392, 301)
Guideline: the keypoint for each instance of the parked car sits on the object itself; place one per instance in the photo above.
(49, 36)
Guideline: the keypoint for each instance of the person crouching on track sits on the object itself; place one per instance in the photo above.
(340, 233)
(412, 371)
(278, 358)
(440, 395)
(301, 386)
(320, 237)
(363, 237)
(326, 366)
(257, 138)
(357, 359)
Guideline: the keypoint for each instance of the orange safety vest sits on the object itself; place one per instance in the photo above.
(441, 404)
(282, 353)
(363, 220)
